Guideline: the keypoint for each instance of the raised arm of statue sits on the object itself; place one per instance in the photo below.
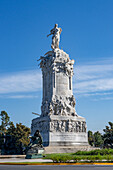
(49, 34)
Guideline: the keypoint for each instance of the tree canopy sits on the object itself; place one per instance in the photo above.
(108, 136)
(13, 138)
(103, 141)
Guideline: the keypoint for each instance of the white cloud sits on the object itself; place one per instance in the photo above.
(27, 81)
(94, 79)
(93, 71)
(94, 85)
(103, 98)
(106, 98)
(21, 96)
(96, 94)
(89, 80)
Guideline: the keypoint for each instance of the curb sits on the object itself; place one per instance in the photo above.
(12, 156)
(36, 163)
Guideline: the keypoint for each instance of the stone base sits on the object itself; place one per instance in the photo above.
(34, 153)
(33, 156)
(61, 130)
(66, 149)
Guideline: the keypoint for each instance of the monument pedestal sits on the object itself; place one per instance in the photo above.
(62, 134)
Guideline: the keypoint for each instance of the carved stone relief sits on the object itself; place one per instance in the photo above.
(67, 126)
(63, 106)
(58, 61)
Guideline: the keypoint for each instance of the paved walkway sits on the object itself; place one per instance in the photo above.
(24, 160)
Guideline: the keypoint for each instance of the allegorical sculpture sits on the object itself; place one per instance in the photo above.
(56, 36)
(62, 129)
(35, 148)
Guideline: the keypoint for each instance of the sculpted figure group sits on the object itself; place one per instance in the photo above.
(62, 106)
(67, 126)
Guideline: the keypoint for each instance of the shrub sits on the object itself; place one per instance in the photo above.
(61, 158)
(95, 152)
(94, 155)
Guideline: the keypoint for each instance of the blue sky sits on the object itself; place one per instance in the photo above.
(87, 37)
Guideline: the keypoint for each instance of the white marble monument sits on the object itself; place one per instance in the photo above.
(61, 128)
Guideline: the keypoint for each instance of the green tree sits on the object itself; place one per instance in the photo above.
(108, 136)
(98, 141)
(22, 135)
(10, 144)
(5, 121)
(13, 139)
(19, 137)
(91, 138)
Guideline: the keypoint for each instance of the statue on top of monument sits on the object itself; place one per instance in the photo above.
(56, 36)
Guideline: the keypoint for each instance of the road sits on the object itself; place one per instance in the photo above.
(38, 167)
